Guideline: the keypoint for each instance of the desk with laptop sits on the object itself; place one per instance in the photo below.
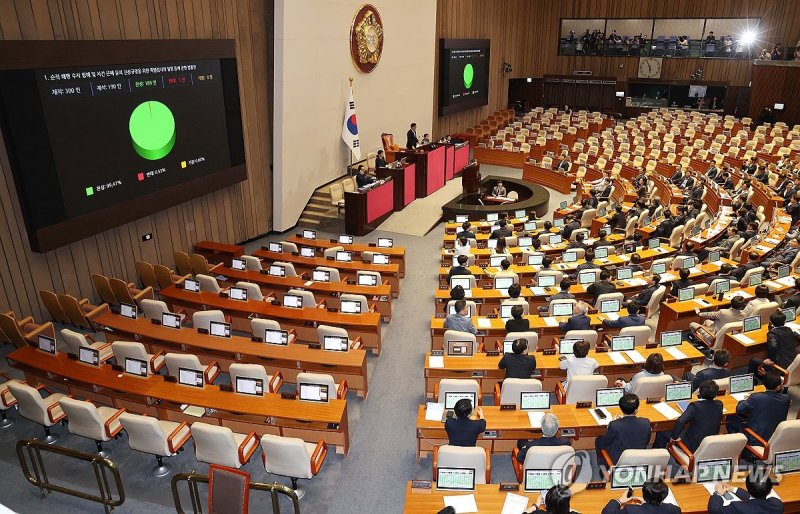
(383, 245)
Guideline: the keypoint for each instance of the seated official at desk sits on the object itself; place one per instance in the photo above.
(633, 319)
(460, 319)
(603, 286)
(579, 321)
(462, 246)
(465, 231)
(461, 269)
(555, 501)
(653, 367)
(578, 363)
(653, 282)
(564, 164)
(462, 430)
(654, 492)
(518, 364)
(782, 344)
(502, 231)
(550, 426)
(563, 294)
(362, 179)
(753, 501)
(499, 189)
(715, 320)
(426, 138)
(716, 371)
(517, 323)
(703, 418)
(761, 412)
(683, 281)
(626, 433)
(380, 160)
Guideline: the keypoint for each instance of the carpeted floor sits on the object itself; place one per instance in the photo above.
(383, 438)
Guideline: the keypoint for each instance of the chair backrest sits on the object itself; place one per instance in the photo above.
(793, 373)
(675, 237)
(587, 217)
(656, 458)
(349, 185)
(30, 403)
(288, 268)
(146, 274)
(609, 296)
(378, 279)
(753, 271)
(73, 340)
(736, 248)
(549, 457)
(334, 273)
(251, 262)
(654, 304)
(457, 335)
(103, 288)
(464, 457)
(182, 264)
(459, 385)
(785, 438)
(532, 338)
(726, 328)
(199, 264)
(331, 252)
(258, 326)
(360, 298)
(84, 420)
(327, 330)
(555, 273)
(765, 310)
(208, 284)
(513, 387)
(309, 302)
(651, 387)
(253, 291)
(203, 319)
(238, 369)
(145, 434)
(215, 445)
(589, 336)
(121, 291)
(288, 247)
(572, 302)
(175, 361)
(722, 446)
(286, 456)
(318, 378)
(677, 262)
(153, 309)
(50, 301)
(582, 388)
(132, 349)
(163, 275)
(642, 334)
(73, 309)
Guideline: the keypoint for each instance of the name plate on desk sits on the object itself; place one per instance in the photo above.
(596, 485)
(650, 346)
(583, 405)
(421, 486)
(493, 354)
(508, 406)
(509, 486)
(551, 351)
(437, 353)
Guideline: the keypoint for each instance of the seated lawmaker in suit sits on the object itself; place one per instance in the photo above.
(517, 323)
(603, 286)
(463, 430)
(465, 231)
(380, 160)
(461, 269)
(761, 412)
(654, 492)
(717, 370)
(633, 319)
(753, 501)
(782, 344)
(549, 430)
(653, 367)
(518, 364)
(643, 298)
(579, 321)
(362, 179)
(460, 319)
(503, 231)
(703, 418)
(627, 432)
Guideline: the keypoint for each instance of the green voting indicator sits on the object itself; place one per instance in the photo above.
(152, 128)
(469, 75)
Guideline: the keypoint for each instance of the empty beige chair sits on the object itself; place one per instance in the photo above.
(44, 411)
(657, 459)
(377, 276)
(333, 273)
(331, 252)
(642, 334)
(176, 361)
(526, 307)
(259, 326)
(309, 302)
(271, 383)
(165, 276)
(200, 265)
(360, 298)
(208, 284)
(253, 291)
(723, 446)
(580, 388)
(99, 424)
(203, 319)
(456, 385)
(221, 445)
(324, 379)
(76, 340)
(590, 336)
(745, 281)
(553, 303)
(510, 390)
(476, 458)
(452, 336)
(654, 304)
(136, 350)
(609, 296)
(765, 310)
(324, 331)
(287, 247)
(677, 262)
(292, 457)
(7, 401)
(587, 217)
(543, 457)
(153, 309)
(676, 236)
(126, 292)
(160, 438)
(251, 263)
(288, 268)
(80, 312)
(785, 438)
(651, 387)
(531, 337)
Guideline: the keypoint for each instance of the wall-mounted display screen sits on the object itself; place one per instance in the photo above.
(463, 74)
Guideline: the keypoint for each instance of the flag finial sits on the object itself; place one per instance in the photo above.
(351, 81)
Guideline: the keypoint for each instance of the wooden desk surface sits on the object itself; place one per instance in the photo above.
(313, 262)
(398, 252)
(612, 260)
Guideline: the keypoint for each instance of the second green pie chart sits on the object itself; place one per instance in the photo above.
(152, 129)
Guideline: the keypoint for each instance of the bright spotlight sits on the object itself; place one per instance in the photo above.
(749, 37)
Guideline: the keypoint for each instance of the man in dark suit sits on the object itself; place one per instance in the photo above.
(517, 323)
(580, 321)
(703, 418)
(564, 163)
(517, 364)
(618, 219)
(633, 319)
(712, 171)
(461, 269)
(462, 430)
(572, 225)
(761, 412)
(549, 430)
(654, 492)
(683, 281)
(752, 262)
(677, 177)
(602, 287)
(643, 298)
(627, 432)
(664, 229)
(793, 302)
(503, 231)
(605, 194)
(380, 160)
(753, 501)
(782, 344)
(717, 370)
(411, 137)
(465, 231)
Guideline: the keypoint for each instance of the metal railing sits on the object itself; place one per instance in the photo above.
(192, 479)
(36, 473)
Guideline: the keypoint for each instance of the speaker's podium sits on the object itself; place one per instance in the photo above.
(471, 178)
(429, 162)
(366, 208)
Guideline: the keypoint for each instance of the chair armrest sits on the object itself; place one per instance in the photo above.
(708, 339)
(436, 392)
(173, 447)
(46, 327)
(323, 304)
(90, 338)
(155, 367)
(7, 398)
(24, 321)
(435, 462)
(147, 292)
(516, 464)
(779, 369)
(687, 465)
(110, 421)
(561, 394)
(276, 382)
(5, 375)
(372, 308)
(607, 458)
(180, 280)
(357, 344)
(83, 301)
(341, 392)
(488, 466)
(765, 444)
(304, 275)
(249, 441)
(482, 348)
(55, 413)
(40, 387)
(291, 332)
(386, 282)
(211, 372)
(497, 393)
(270, 296)
(96, 311)
(318, 457)
(213, 267)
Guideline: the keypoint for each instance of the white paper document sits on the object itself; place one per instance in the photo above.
(787, 281)
(539, 291)
(744, 339)
(617, 357)
(514, 504)
(772, 285)
(436, 361)
(467, 293)
(434, 411)
(613, 316)
(550, 321)
(484, 323)
(463, 503)
(676, 353)
(637, 282)
(667, 276)
(602, 422)
(535, 417)
(701, 302)
(731, 294)
(665, 410)
(740, 397)
(195, 411)
(635, 356)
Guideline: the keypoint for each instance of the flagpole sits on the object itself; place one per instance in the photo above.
(350, 150)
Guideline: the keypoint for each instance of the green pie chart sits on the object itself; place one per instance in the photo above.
(469, 74)
(152, 128)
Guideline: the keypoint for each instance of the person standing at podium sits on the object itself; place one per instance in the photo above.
(499, 189)
(411, 137)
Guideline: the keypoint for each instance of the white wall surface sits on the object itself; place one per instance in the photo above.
(312, 65)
